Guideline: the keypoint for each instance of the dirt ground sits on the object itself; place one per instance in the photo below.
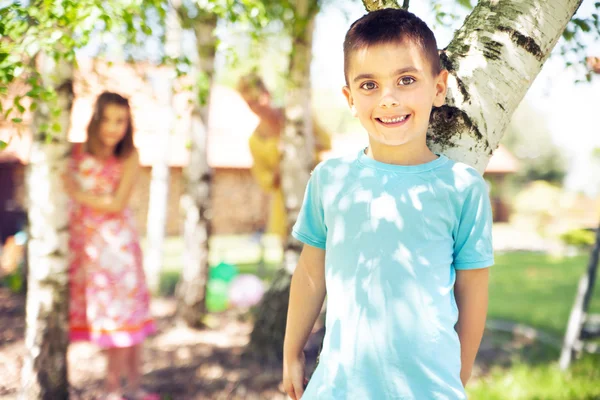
(181, 363)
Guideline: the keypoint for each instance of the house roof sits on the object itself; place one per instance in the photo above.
(502, 162)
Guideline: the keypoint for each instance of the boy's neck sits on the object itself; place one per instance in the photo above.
(408, 154)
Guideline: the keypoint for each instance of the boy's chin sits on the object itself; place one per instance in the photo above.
(391, 141)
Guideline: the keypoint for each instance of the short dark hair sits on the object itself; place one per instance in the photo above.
(125, 146)
(391, 25)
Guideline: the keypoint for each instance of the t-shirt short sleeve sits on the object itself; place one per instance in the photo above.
(310, 226)
(473, 240)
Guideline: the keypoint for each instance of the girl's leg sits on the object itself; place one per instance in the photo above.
(133, 365)
(134, 375)
(114, 369)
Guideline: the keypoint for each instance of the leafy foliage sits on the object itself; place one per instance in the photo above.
(58, 29)
(529, 140)
(579, 238)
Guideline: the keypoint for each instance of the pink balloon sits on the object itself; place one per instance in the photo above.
(245, 291)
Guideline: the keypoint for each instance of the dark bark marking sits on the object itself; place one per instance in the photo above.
(524, 41)
(448, 121)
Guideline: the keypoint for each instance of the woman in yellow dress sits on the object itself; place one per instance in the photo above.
(265, 148)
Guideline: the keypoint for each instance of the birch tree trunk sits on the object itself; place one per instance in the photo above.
(196, 203)
(493, 60)
(44, 373)
(298, 158)
(159, 183)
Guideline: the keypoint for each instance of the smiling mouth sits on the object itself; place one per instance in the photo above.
(393, 121)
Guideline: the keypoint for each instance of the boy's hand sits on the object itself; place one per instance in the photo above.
(465, 375)
(293, 376)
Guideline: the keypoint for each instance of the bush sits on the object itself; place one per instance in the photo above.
(579, 237)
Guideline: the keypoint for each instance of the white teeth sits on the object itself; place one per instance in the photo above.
(393, 120)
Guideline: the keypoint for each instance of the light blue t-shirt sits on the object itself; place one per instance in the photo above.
(394, 236)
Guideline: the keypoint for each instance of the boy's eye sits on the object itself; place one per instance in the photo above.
(407, 80)
(368, 85)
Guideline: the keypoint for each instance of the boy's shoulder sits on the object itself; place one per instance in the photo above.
(335, 165)
(461, 175)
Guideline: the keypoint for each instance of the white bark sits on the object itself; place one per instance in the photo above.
(196, 203)
(44, 373)
(159, 183)
(298, 156)
(493, 60)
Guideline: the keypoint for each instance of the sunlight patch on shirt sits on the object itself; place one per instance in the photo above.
(414, 196)
(339, 230)
(384, 208)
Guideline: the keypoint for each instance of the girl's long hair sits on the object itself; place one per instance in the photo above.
(125, 146)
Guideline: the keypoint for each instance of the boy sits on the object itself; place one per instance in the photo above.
(398, 237)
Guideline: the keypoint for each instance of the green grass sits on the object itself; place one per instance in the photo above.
(244, 252)
(540, 382)
(536, 289)
(528, 288)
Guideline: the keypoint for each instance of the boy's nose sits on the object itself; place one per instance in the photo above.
(389, 100)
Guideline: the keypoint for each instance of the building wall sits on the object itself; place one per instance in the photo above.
(239, 206)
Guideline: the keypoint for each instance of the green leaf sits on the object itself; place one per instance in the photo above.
(582, 24)
(3, 144)
(465, 3)
(17, 120)
(56, 127)
(568, 34)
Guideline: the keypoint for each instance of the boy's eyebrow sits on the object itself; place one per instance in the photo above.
(397, 72)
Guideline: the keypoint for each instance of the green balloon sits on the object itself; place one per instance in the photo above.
(223, 272)
(216, 295)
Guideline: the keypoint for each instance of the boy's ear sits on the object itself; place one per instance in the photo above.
(349, 99)
(441, 86)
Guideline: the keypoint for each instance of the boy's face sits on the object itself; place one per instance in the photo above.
(391, 90)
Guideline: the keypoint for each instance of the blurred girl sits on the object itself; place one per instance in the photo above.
(265, 148)
(109, 299)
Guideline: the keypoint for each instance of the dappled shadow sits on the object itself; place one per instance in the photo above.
(393, 234)
(12, 309)
(504, 349)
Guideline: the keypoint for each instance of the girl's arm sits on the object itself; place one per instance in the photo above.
(471, 293)
(117, 201)
(307, 293)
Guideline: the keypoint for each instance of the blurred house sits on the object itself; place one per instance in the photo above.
(502, 163)
(239, 206)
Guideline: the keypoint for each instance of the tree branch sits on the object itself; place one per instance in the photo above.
(373, 5)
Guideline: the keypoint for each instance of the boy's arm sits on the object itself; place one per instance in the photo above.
(471, 293)
(307, 293)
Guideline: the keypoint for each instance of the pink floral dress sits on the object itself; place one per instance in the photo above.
(109, 299)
